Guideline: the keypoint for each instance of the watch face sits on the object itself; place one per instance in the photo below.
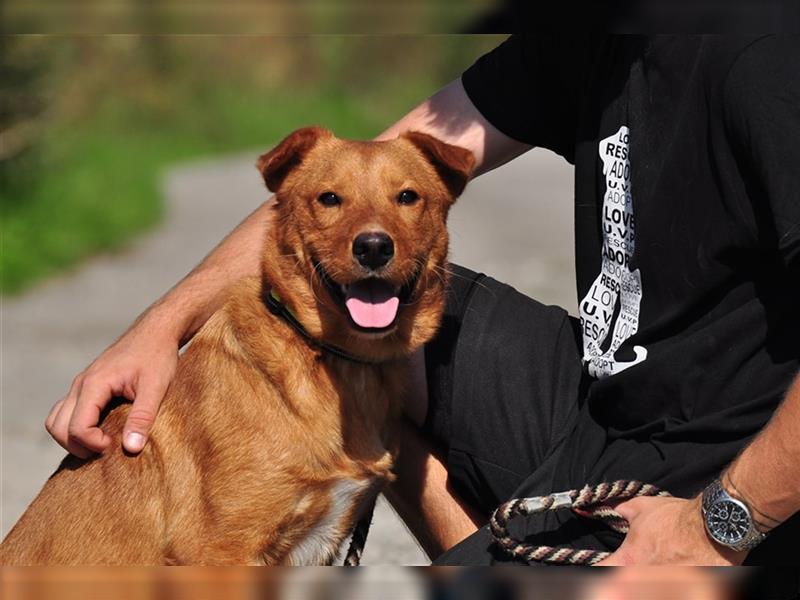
(728, 522)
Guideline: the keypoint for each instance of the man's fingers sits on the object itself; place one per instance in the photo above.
(629, 509)
(142, 416)
(57, 421)
(60, 420)
(82, 428)
(58, 427)
(620, 558)
(50, 421)
(76, 449)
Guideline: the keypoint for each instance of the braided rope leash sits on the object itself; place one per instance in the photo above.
(590, 501)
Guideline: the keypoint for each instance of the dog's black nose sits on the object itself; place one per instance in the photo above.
(373, 249)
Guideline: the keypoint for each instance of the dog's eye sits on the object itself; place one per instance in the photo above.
(407, 197)
(329, 199)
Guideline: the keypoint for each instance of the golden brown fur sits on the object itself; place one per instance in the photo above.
(262, 436)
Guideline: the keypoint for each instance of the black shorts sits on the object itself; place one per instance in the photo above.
(505, 384)
(506, 392)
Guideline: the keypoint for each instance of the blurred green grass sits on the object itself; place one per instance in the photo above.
(98, 184)
(120, 111)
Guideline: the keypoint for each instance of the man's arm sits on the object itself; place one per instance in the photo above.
(450, 116)
(141, 364)
(766, 475)
(423, 498)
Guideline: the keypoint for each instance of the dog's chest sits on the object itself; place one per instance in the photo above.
(372, 393)
(343, 505)
(359, 428)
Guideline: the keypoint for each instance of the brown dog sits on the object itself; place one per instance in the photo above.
(277, 428)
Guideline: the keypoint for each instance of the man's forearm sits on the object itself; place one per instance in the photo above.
(767, 473)
(189, 304)
(423, 499)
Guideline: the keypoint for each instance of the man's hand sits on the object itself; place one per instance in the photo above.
(140, 367)
(668, 531)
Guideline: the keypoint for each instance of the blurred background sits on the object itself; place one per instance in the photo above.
(89, 122)
(125, 157)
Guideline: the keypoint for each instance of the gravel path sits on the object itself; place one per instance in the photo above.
(514, 224)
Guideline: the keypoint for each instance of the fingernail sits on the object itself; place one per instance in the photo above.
(134, 442)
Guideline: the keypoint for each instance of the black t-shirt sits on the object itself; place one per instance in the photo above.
(687, 227)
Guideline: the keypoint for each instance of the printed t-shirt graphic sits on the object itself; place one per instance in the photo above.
(612, 304)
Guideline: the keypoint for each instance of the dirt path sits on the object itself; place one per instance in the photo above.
(514, 224)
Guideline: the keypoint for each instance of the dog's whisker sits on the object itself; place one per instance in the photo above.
(316, 273)
(440, 273)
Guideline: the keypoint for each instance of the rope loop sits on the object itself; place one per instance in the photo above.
(591, 501)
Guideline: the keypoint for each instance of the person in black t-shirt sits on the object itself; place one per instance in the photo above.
(681, 369)
(687, 217)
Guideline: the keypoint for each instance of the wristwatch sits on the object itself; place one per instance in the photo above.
(728, 520)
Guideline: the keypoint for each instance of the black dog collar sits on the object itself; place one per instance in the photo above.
(279, 309)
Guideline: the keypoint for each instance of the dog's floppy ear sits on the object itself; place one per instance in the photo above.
(276, 164)
(453, 163)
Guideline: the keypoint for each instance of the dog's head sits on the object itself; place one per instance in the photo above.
(358, 249)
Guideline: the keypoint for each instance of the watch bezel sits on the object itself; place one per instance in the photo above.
(713, 530)
(715, 494)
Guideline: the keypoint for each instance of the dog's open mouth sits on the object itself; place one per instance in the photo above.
(371, 303)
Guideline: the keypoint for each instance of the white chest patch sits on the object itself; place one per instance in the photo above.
(323, 540)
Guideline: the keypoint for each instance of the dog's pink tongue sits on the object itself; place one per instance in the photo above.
(372, 303)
